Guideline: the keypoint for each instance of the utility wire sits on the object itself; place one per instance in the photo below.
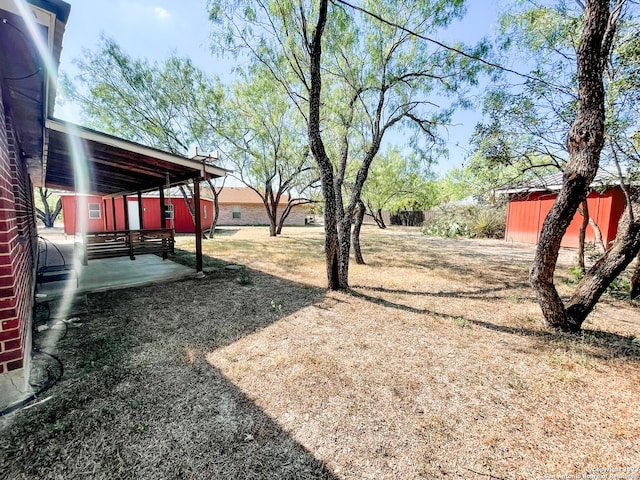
(447, 47)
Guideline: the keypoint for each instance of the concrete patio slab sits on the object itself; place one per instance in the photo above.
(103, 274)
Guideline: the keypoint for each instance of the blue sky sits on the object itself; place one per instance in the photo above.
(156, 28)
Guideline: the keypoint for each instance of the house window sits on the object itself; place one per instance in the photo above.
(236, 211)
(94, 210)
(168, 212)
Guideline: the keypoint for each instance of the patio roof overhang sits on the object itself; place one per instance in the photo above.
(86, 161)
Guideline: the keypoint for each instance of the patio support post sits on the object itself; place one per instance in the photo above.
(163, 218)
(104, 214)
(163, 215)
(140, 210)
(113, 208)
(126, 212)
(198, 222)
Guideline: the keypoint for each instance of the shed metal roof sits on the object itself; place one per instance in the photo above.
(553, 183)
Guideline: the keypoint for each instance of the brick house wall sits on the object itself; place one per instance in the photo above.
(18, 254)
(252, 214)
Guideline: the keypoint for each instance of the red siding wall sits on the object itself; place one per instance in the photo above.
(526, 214)
(18, 247)
(182, 221)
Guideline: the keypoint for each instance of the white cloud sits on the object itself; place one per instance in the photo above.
(162, 14)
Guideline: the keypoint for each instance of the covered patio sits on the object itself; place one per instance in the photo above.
(85, 161)
(98, 275)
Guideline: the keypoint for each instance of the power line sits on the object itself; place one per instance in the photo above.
(447, 47)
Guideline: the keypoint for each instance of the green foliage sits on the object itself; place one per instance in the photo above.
(171, 106)
(461, 322)
(527, 121)
(576, 274)
(620, 287)
(376, 77)
(488, 223)
(397, 182)
(447, 228)
(265, 141)
(455, 185)
(467, 222)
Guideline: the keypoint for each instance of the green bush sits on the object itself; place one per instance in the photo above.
(467, 222)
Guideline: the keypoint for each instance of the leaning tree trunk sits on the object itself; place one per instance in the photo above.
(216, 215)
(584, 142)
(598, 235)
(216, 207)
(635, 280)
(355, 236)
(582, 236)
(378, 218)
(598, 278)
(284, 215)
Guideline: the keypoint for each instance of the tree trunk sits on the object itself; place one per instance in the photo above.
(283, 216)
(582, 235)
(635, 280)
(216, 207)
(48, 215)
(584, 142)
(356, 232)
(598, 234)
(216, 215)
(316, 144)
(598, 278)
(187, 200)
(273, 228)
(377, 217)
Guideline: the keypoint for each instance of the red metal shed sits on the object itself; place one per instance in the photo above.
(98, 213)
(526, 213)
(529, 205)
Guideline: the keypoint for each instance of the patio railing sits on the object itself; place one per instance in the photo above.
(123, 243)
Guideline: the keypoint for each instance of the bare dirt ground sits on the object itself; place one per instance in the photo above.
(435, 365)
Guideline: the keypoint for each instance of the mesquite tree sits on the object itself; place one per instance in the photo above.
(585, 142)
(172, 105)
(48, 214)
(354, 73)
(263, 139)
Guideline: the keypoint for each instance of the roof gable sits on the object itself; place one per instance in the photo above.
(243, 196)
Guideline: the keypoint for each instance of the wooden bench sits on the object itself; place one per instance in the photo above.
(126, 243)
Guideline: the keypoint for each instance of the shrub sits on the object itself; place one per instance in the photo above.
(467, 222)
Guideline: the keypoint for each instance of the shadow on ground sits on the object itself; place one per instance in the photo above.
(138, 399)
(599, 344)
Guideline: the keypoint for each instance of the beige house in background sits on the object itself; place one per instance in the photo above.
(243, 206)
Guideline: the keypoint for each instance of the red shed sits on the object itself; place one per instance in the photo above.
(98, 213)
(529, 205)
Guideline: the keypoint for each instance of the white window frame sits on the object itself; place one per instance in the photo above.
(168, 211)
(95, 210)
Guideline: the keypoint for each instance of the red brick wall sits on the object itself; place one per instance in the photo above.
(18, 247)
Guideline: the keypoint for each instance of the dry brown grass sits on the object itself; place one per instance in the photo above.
(435, 365)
